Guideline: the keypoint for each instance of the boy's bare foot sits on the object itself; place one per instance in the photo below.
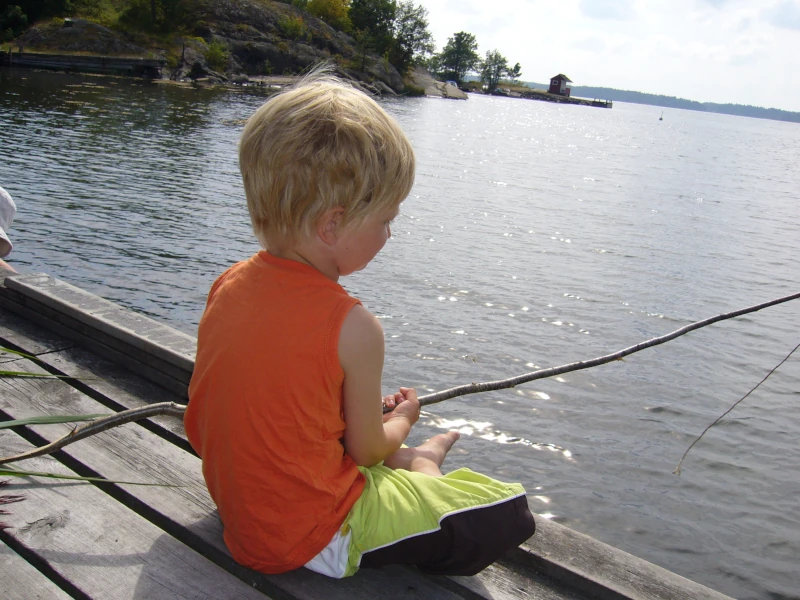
(425, 458)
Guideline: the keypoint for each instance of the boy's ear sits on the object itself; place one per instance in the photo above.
(329, 225)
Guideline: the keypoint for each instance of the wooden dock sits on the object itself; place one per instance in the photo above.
(80, 63)
(557, 98)
(115, 541)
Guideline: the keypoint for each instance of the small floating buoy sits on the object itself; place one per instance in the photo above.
(661, 118)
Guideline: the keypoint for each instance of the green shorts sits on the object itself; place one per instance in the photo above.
(456, 524)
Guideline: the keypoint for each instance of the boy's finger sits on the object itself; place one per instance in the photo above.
(408, 392)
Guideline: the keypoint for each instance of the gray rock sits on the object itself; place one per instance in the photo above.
(384, 89)
(423, 79)
(254, 32)
(90, 38)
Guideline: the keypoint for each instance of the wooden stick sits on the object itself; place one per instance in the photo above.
(99, 425)
(178, 410)
(488, 386)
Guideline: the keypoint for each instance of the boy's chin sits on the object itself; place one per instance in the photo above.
(357, 269)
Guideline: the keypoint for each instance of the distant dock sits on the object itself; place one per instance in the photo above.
(548, 97)
(79, 63)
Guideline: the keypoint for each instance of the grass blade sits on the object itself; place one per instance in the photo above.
(28, 374)
(18, 353)
(9, 472)
(50, 420)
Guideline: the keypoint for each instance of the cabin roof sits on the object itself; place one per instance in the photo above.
(562, 76)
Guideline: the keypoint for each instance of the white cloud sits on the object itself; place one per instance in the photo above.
(607, 9)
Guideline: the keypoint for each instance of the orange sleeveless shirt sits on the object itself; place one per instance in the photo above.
(265, 411)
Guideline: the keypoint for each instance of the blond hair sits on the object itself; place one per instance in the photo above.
(317, 146)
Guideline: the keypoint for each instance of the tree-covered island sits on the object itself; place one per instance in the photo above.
(376, 42)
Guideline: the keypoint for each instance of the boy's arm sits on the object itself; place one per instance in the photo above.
(367, 438)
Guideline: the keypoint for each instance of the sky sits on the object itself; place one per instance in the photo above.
(726, 51)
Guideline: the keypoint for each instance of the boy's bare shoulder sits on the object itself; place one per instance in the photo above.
(361, 335)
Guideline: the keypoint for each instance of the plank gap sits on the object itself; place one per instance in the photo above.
(108, 402)
(42, 566)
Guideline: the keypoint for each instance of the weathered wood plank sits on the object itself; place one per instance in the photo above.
(502, 582)
(601, 570)
(21, 581)
(116, 386)
(156, 351)
(150, 67)
(155, 339)
(37, 340)
(93, 340)
(102, 548)
(186, 512)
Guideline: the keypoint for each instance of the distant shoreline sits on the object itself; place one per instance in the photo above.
(739, 110)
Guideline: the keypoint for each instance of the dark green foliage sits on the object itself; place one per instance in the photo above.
(138, 15)
(158, 16)
(458, 57)
(34, 10)
(373, 22)
(412, 39)
(413, 91)
(333, 12)
(292, 27)
(217, 56)
(515, 72)
(12, 22)
(493, 68)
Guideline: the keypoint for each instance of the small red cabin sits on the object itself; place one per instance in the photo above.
(558, 85)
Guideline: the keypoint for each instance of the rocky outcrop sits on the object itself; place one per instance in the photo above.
(422, 78)
(78, 35)
(278, 39)
(258, 38)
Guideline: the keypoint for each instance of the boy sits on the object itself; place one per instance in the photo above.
(285, 401)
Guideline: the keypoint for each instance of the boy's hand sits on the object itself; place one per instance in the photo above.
(402, 404)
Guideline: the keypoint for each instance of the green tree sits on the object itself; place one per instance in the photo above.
(493, 68)
(34, 10)
(412, 39)
(333, 12)
(154, 15)
(217, 56)
(12, 22)
(458, 57)
(515, 72)
(373, 22)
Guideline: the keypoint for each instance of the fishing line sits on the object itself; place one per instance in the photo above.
(677, 470)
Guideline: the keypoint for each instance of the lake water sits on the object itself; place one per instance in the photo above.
(535, 235)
